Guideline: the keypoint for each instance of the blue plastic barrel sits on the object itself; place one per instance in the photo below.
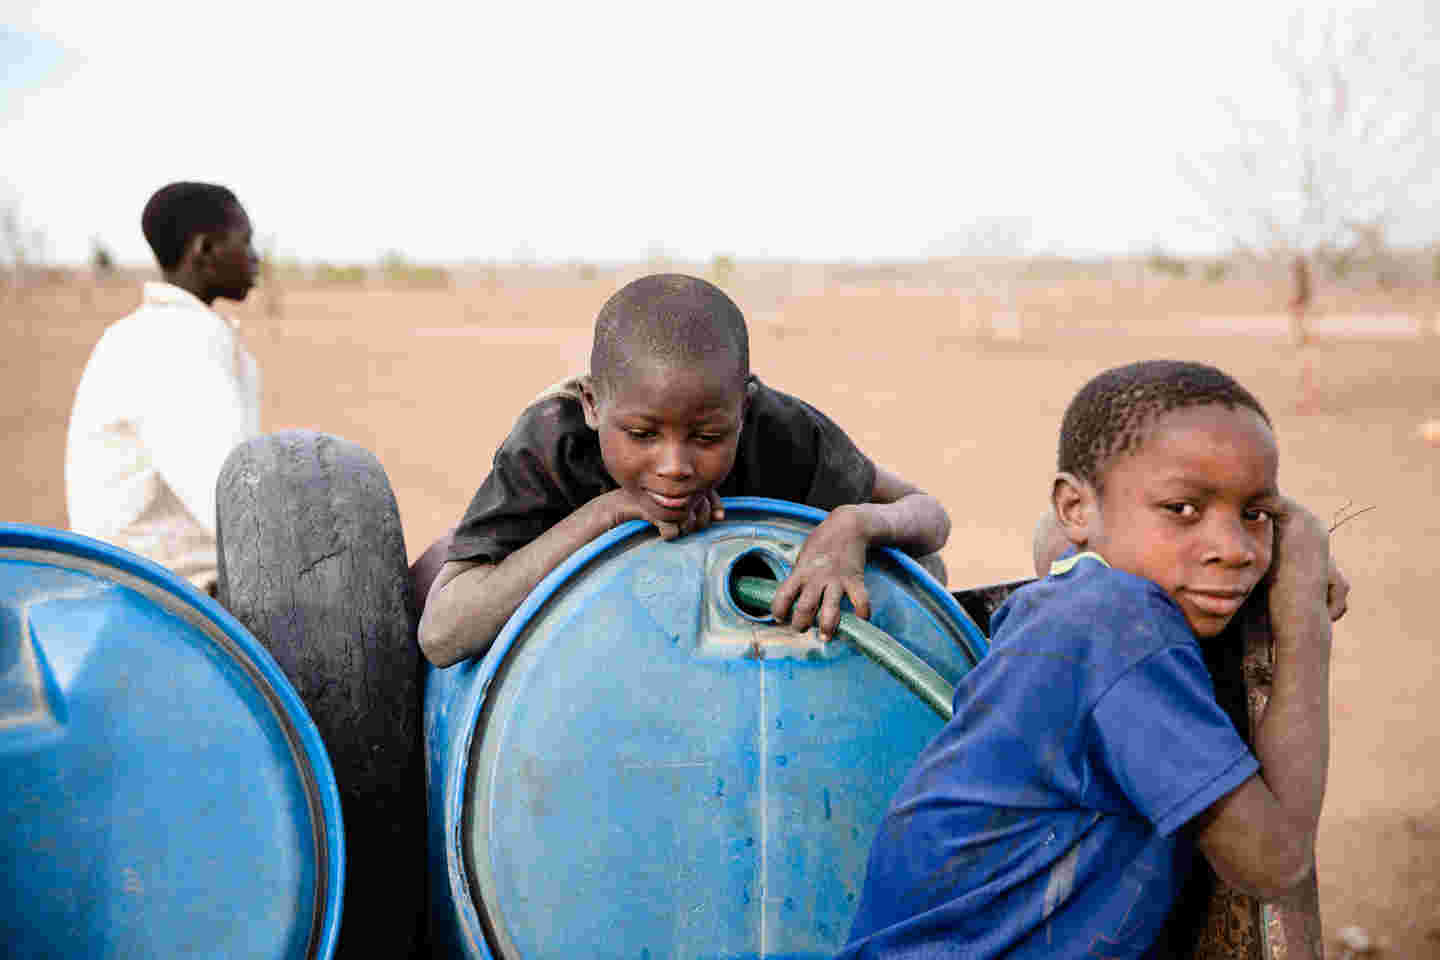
(641, 769)
(164, 792)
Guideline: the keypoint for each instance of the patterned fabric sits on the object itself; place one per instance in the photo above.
(1046, 819)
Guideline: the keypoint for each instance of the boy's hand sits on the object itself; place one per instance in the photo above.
(705, 509)
(1337, 592)
(622, 507)
(831, 566)
(1303, 576)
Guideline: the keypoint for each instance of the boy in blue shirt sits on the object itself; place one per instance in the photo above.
(1055, 815)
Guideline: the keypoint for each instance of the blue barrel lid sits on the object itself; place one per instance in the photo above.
(165, 792)
(652, 772)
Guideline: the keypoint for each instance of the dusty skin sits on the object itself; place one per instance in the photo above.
(970, 421)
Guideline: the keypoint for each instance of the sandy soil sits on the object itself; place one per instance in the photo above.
(431, 380)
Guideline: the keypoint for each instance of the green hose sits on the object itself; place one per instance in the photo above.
(756, 594)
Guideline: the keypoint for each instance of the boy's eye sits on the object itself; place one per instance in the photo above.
(1185, 511)
(708, 439)
(639, 434)
(1259, 515)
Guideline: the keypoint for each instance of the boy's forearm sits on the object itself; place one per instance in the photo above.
(915, 523)
(456, 622)
(1261, 837)
(1293, 740)
(464, 614)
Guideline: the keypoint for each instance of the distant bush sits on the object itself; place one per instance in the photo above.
(1216, 271)
(287, 268)
(101, 258)
(490, 272)
(1162, 262)
(330, 275)
(1339, 263)
(400, 272)
(722, 268)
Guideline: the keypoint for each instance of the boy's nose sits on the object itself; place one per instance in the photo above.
(1232, 544)
(674, 462)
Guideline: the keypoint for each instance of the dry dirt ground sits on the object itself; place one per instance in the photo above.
(431, 380)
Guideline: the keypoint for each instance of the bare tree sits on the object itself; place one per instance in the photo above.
(996, 252)
(24, 246)
(1325, 167)
(986, 259)
(270, 282)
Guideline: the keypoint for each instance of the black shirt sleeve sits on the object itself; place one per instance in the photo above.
(791, 451)
(546, 469)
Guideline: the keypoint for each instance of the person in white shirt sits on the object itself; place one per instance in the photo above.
(168, 391)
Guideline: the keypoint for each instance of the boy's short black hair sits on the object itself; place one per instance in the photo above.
(178, 211)
(1110, 414)
(668, 318)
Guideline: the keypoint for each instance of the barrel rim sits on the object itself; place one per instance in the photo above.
(295, 721)
(481, 674)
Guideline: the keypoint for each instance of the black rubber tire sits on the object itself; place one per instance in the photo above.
(312, 561)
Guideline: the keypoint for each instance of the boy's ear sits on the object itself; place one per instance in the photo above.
(198, 251)
(752, 387)
(589, 403)
(1077, 508)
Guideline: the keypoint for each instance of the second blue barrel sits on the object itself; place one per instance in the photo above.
(162, 789)
(642, 769)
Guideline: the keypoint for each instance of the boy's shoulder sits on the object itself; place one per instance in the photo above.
(769, 402)
(792, 451)
(1084, 584)
(566, 392)
(553, 414)
(1087, 609)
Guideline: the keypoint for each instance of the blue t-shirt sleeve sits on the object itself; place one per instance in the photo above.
(1162, 740)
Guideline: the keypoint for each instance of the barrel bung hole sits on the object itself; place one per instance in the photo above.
(762, 564)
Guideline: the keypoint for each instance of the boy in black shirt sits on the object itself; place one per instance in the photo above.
(668, 421)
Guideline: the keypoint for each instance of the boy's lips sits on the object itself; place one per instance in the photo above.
(670, 503)
(1218, 602)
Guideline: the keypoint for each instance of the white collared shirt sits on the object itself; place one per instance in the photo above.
(167, 393)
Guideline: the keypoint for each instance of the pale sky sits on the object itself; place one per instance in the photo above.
(611, 131)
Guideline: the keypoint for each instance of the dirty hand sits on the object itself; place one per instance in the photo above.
(705, 509)
(1302, 572)
(831, 566)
